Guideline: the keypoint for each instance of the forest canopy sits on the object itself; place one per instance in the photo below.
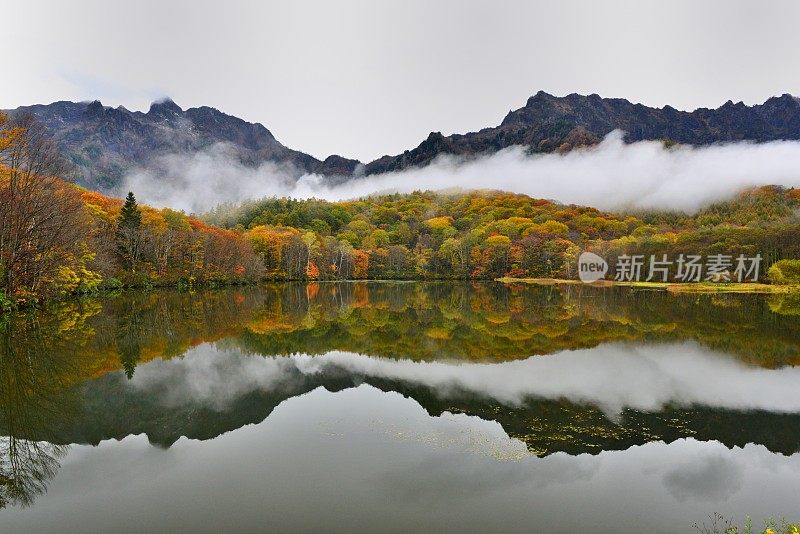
(491, 234)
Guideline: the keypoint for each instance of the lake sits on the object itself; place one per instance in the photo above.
(399, 406)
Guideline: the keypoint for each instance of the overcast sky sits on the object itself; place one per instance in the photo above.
(363, 79)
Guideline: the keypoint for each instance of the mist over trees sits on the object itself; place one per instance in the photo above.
(58, 239)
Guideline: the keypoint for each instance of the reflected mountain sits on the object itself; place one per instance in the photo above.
(211, 391)
(169, 364)
(360, 457)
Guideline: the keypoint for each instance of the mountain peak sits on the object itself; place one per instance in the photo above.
(785, 99)
(540, 96)
(105, 143)
(165, 106)
(94, 109)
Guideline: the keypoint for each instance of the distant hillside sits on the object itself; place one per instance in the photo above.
(104, 143)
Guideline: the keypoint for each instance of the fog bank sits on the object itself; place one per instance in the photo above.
(611, 176)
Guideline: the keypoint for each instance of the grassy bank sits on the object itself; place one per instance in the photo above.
(673, 287)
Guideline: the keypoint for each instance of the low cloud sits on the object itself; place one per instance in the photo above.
(613, 377)
(611, 176)
(197, 182)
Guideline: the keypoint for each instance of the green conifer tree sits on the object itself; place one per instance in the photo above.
(129, 232)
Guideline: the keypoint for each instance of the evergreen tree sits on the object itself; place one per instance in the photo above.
(128, 335)
(130, 216)
(129, 232)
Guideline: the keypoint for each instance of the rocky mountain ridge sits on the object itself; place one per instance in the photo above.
(105, 143)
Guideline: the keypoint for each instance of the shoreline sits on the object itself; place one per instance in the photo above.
(672, 287)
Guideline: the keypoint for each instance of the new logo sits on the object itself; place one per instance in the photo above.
(591, 267)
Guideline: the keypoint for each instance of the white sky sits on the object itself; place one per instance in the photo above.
(363, 79)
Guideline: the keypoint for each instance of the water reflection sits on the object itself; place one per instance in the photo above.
(539, 370)
(361, 457)
(715, 477)
(35, 372)
(609, 397)
(612, 377)
(491, 322)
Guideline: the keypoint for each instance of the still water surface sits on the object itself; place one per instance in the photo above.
(397, 406)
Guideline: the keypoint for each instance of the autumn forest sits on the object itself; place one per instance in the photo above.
(58, 239)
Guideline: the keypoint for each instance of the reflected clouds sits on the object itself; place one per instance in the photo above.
(612, 376)
(273, 407)
(214, 377)
(365, 475)
(712, 476)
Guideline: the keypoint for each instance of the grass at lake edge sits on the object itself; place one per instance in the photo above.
(673, 287)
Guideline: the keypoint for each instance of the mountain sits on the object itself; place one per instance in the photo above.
(104, 143)
(537, 422)
(548, 123)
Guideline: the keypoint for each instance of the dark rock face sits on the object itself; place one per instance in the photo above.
(104, 143)
(337, 166)
(548, 123)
